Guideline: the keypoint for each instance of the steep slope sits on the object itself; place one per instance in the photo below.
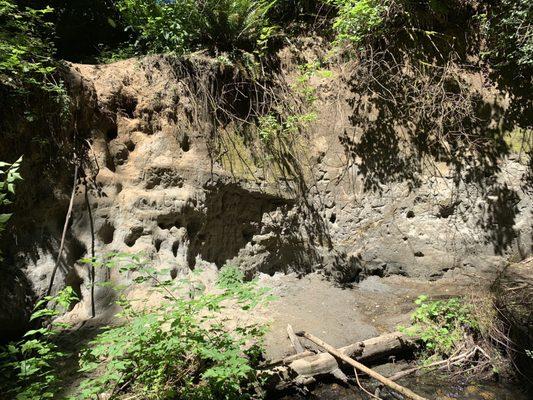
(169, 169)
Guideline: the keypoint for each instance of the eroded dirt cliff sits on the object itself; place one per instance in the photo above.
(169, 170)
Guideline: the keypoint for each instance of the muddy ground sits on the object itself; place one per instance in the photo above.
(341, 315)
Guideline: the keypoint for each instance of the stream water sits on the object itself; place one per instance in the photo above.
(432, 387)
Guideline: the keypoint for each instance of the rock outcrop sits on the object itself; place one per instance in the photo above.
(155, 185)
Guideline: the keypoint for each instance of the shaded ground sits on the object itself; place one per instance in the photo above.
(340, 316)
(431, 387)
(376, 305)
(343, 315)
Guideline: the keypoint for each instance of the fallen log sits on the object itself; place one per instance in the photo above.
(294, 340)
(369, 350)
(338, 354)
(336, 372)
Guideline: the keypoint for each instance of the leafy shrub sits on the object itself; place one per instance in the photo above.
(509, 31)
(28, 367)
(358, 18)
(188, 25)
(441, 324)
(179, 349)
(270, 127)
(25, 49)
(8, 176)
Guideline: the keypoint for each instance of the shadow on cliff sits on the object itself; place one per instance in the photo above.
(229, 99)
(413, 113)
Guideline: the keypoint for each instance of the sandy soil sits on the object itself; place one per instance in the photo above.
(340, 315)
(343, 315)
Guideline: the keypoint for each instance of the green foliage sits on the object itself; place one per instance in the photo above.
(230, 278)
(441, 324)
(180, 348)
(8, 176)
(284, 124)
(509, 31)
(161, 26)
(270, 127)
(25, 49)
(302, 86)
(357, 19)
(28, 367)
(505, 37)
(188, 25)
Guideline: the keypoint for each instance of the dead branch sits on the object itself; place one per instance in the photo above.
(333, 351)
(64, 234)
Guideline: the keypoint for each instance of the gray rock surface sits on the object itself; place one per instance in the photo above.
(156, 188)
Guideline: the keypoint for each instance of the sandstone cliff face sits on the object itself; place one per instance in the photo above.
(157, 185)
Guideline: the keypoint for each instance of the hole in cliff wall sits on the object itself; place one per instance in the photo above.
(167, 222)
(173, 273)
(157, 244)
(119, 153)
(106, 232)
(233, 216)
(128, 105)
(446, 210)
(134, 234)
(185, 143)
(112, 133)
(73, 280)
(175, 247)
(129, 145)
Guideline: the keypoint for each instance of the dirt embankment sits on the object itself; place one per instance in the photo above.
(175, 169)
(514, 301)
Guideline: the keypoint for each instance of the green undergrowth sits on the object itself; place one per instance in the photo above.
(180, 348)
(9, 175)
(189, 25)
(466, 335)
(26, 49)
(29, 367)
(442, 326)
(357, 19)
